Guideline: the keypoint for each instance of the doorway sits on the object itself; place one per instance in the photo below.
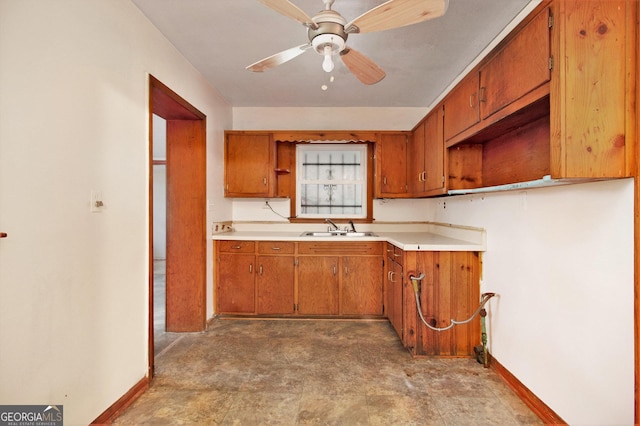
(177, 172)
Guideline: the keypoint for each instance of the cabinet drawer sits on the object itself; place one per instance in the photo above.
(340, 248)
(276, 247)
(395, 253)
(398, 255)
(236, 246)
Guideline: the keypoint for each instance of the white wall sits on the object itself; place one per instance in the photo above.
(356, 118)
(74, 117)
(387, 210)
(561, 262)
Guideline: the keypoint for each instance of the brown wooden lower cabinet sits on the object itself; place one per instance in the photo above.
(347, 279)
(303, 279)
(318, 284)
(394, 284)
(275, 285)
(362, 292)
(236, 288)
(449, 290)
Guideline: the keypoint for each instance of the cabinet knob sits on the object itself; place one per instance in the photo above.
(251, 268)
(3, 235)
(264, 181)
(275, 248)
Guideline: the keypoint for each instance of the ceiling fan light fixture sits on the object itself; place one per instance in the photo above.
(328, 45)
(327, 64)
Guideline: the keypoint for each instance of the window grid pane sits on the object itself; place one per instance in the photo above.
(331, 182)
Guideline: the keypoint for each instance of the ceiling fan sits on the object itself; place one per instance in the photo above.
(328, 32)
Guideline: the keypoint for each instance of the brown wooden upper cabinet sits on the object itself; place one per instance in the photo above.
(462, 106)
(427, 165)
(556, 98)
(516, 69)
(249, 165)
(593, 101)
(391, 165)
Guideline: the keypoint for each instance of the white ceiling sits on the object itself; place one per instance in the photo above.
(221, 37)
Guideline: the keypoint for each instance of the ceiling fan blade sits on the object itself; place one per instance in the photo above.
(397, 13)
(290, 10)
(278, 58)
(362, 67)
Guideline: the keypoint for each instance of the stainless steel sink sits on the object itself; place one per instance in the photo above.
(337, 234)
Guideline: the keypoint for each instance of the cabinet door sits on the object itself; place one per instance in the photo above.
(248, 164)
(394, 288)
(236, 283)
(462, 106)
(593, 107)
(416, 160)
(318, 285)
(450, 289)
(391, 154)
(362, 285)
(520, 67)
(275, 284)
(434, 152)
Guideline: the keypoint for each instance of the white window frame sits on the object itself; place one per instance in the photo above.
(361, 179)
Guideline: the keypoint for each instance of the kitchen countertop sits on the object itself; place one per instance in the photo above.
(420, 236)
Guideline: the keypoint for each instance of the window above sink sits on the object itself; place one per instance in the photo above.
(331, 181)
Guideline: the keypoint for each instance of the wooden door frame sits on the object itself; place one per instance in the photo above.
(634, 140)
(167, 104)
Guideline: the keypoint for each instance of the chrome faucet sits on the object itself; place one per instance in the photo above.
(333, 224)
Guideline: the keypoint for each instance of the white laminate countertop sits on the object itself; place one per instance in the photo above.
(418, 236)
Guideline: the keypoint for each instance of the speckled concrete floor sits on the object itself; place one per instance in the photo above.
(299, 372)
